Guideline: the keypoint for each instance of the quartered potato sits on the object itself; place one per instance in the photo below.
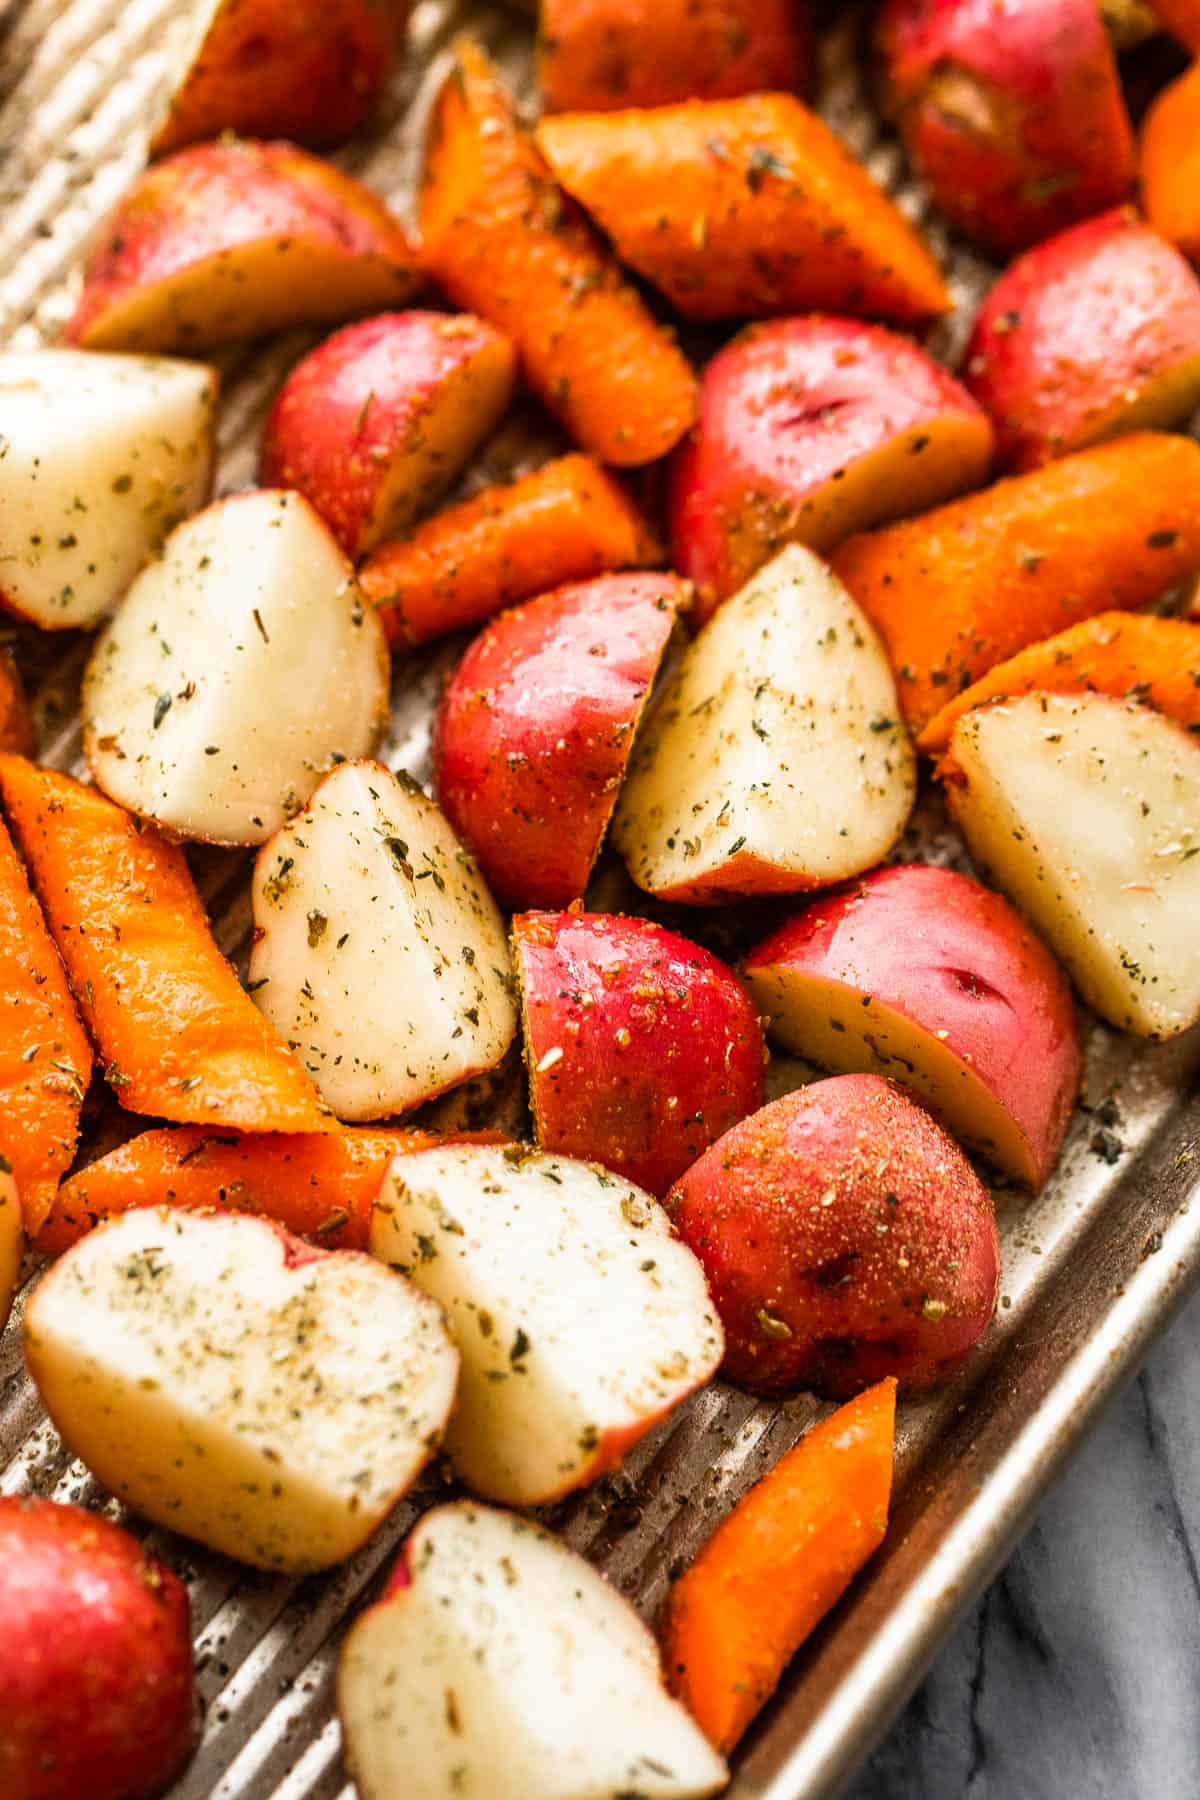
(100, 456)
(227, 1380)
(500, 1666)
(776, 759)
(379, 953)
(241, 666)
(1086, 811)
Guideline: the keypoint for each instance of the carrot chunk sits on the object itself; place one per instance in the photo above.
(16, 725)
(773, 1569)
(177, 1034)
(1171, 163)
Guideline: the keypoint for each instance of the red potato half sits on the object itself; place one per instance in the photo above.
(924, 975)
(642, 1047)
(1093, 333)
(845, 1238)
(536, 727)
(375, 424)
(309, 70)
(812, 428)
(1013, 114)
(236, 239)
(96, 1688)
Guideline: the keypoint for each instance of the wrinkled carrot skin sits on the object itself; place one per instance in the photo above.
(1127, 655)
(567, 521)
(16, 721)
(1171, 163)
(504, 242)
(744, 208)
(960, 589)
(45, 1057)
(772, 1570)
(176, 1034)
(597, 54)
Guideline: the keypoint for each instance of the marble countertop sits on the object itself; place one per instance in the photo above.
(1077, 1676)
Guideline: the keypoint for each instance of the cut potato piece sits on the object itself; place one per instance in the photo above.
(12, 1239)
(580, 1317)
(240, 667)
(100, 456)
(1086, 810)
(271, 1400)
(379, 953)
(501, 1666)
(776, 760)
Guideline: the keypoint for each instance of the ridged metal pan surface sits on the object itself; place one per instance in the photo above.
(1094, 1268)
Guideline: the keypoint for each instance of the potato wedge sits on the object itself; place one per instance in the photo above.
(1086, 811)
(580, 1319)
(379, 952)
(271, 1400)
(241, 666)
(102, 456)
(776, 760)
(500, 1666)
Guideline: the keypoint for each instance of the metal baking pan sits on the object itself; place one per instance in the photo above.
(1093, 1269)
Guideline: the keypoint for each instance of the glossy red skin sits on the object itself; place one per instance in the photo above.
(846, 1218)
(1036, 137)
(643, 1018)
(958, 960)
(96, 1693)
(783, 409)
(535, 729)
(352, 404)
(1077, 327)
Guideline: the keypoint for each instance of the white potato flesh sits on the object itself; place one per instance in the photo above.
(776, 759)
(240, 667)
(379, 954)
(580, 1318)
(100, 457)
(12, 1238)
(1086, 811)
(507, 1668)
(271, 1401)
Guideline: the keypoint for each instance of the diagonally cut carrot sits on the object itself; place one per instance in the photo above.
(45, 1057)
(178, 1036)
(777, 1564)
(1128, 655)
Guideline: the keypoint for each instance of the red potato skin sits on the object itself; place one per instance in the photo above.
(535, 729)
(1074, 335)
(96, 1694)
(845, 1238)
(785, 410)
(659, 1046)
(962, 964)
(1012, 113)
(598, 54)
(367, 395)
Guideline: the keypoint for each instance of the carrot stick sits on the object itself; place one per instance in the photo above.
(1126, 655)
(178, 1036)
(45, 1057)
(566, 522)
(503, 241)
(962, 588)
(1171, 163)
(737, 208)
(16, 725)
(773, 1569)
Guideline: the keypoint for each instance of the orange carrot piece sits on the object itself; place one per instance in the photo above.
(737, 208)
(45, 1057)
(16, 723)
(773, 1569)
(1127, 655)
(962, 588)
(567, 521)
(179, 1037)
(1171, 163)
(321, 1186)
(504, 242)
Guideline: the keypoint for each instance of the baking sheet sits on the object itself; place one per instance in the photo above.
(1094, 1268)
